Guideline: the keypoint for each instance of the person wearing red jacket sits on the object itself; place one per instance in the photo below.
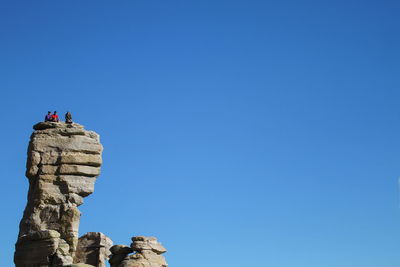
(54, 117)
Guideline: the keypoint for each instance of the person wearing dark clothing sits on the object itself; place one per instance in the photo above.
(68, 117)
(48, 116)
(54, 117)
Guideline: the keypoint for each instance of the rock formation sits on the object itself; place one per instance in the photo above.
(94, 249)
(63, 163)
(147, 253)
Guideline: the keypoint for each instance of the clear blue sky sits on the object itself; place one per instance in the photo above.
(239, 133)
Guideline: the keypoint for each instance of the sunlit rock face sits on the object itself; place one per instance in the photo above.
(63, 163)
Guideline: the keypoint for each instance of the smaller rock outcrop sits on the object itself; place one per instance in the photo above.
(147, 253)
(94, 249)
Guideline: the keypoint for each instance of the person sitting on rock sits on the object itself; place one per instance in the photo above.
(48, 116)
(54, 117)
(68, 117)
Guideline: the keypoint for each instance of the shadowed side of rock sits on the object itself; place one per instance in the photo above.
(63, 163)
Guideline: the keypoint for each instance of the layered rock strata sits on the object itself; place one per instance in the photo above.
(94, 249)
(147, 253)
(63, 163)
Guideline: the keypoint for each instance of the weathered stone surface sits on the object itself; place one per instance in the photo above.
(144, 259)
(141, 243)
(56, 157)
(63, 163)
(40, 235)
(54, 126)
(79, 170)
(75, 199)
(80, 185)
(35, 252)
(148, 254)
(93, 248)
(43, 143)
(81, 159)
(61, 260)
(42, 248)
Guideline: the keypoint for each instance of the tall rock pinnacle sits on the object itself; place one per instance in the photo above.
(63, 163)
